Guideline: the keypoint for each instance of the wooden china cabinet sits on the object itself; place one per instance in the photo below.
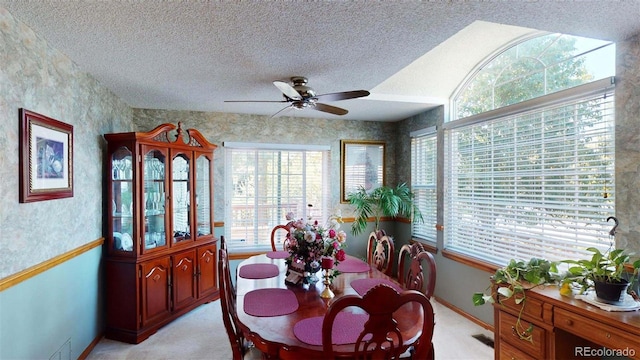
(160, 258)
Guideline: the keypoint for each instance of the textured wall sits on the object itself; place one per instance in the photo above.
(628, 143)
(37, 77)
(220, 127)
(405, 127)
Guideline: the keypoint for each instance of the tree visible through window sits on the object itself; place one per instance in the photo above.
(537, 182)
(533, 68)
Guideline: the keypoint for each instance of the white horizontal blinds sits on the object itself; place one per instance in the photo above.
(267, 184)
(532, 184)
(423, 184)
(316, 186)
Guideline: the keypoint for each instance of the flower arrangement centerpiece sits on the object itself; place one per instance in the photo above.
(309, 243)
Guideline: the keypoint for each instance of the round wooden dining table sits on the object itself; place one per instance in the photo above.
(269, 322)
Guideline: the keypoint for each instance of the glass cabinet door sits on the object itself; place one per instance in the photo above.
(122, 199)
(154, 199)
(203, 196)
(181, 198)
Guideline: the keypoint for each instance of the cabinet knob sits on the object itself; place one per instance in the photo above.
(569, 322)
(608, 336)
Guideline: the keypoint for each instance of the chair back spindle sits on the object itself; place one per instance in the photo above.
(382, 337)
(380, 252)
(412, 276)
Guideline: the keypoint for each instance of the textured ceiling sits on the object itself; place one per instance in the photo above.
(193, 55)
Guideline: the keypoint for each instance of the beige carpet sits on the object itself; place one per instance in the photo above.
(200, 334)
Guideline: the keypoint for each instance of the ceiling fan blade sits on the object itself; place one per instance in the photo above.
(281, 111)
(330, 109)
(287, 90)
(343, 95)
(261, 101)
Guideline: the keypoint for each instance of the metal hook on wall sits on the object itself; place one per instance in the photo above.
(612, 232)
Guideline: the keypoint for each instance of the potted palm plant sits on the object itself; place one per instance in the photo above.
(383, 201)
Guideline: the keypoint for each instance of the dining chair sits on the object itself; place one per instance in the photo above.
(240, 347)
(279, 236)
(223, 243)
(380, 251)
(381, 336)
(412, 276)
(232, 288)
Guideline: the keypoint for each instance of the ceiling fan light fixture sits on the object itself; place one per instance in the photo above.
(300, 97)
(301, 105)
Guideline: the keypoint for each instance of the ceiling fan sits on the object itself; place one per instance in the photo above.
(300, 96)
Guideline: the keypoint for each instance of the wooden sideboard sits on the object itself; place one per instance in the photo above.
(563, 328)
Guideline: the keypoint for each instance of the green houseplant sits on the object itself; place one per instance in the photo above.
(512, 281)
(607, 273)
(382, 201)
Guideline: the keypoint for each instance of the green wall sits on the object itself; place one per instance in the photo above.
(63, 304)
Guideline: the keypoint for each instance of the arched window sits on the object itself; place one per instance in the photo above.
(529, 153)
(531, 68)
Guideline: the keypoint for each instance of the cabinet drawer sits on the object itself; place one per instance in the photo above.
(533, 308)
(509, 352)
(597, 332)
(534, 348)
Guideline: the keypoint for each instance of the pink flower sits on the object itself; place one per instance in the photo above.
(309, 241)
(299, 224)
(290, 215)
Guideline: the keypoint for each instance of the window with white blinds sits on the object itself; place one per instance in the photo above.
(423, 182)
(537, 183)
(265, 182)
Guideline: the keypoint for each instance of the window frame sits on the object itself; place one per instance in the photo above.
(425, 231)
(261, 238)
(460, 91)
(584, 91)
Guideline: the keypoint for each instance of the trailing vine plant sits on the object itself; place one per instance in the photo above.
(512, 282)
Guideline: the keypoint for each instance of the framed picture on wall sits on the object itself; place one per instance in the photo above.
(46, 158)
(362, 165)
